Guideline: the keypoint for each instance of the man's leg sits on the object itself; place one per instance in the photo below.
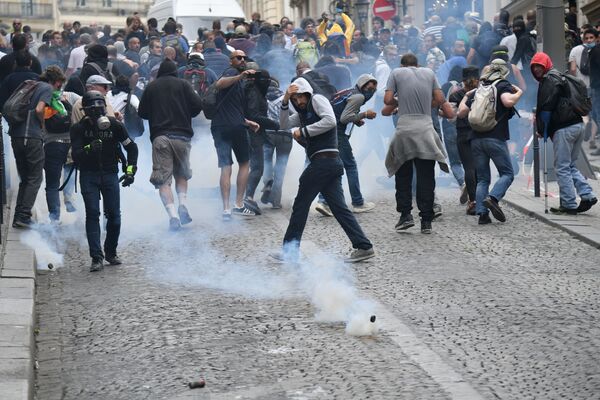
(18, 148)
(90, 190)
(404, 177)
(450, 141)
(482, 168)
(283, 148)
(241, 148)
(257, 163)
(351, 169)
(55, 155)
(425, 188)
(225, 161)
(563, 142)
(34, 157)
(583, 188)
(112, 210)
(501, 158)
(162, 173)
(182, 172)
(241, 183)
(225, 184)
(466, 158)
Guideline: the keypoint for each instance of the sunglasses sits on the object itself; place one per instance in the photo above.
(240, 58)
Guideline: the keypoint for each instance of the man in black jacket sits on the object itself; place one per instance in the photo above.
(556, 119)
(95, 147)
(169, 104)
(7, 63)
(21, 73)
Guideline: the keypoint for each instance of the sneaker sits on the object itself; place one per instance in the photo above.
(226, 215)
(484, 219)
(276, 206)
(324, 210)
(243, 211)
(595, 152)
(252, 206)
(471, 208)
(406, 221)
(585, 205)
(492, 205)
(114, 260)
(184, 215)
(365, 207)
(174, 224)
(426, 227)
(437, 210)
(97, 265)
(562, 210)
(70, 207)
(22, 223)
(464, 195)
(282, 257)
(593, 144)
(358, 255)
(266, 192)
(587, 135)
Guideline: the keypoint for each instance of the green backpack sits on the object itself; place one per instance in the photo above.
(306, 51)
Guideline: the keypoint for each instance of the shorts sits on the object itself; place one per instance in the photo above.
(228, 139)
(170, 157)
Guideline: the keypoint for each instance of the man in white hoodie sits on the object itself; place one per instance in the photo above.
(314, 127)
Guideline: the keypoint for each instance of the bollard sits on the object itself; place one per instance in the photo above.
(536, 160)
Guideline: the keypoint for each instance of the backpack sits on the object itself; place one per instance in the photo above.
(195, 74)
(584, 68)
(487, 41)
(577, 94)
(16, 109)
(59, 123)
(320, 85)
(108, 74)
(306, 51)
(210, 101)
(482, 116)
(339, 100)
(173, 41)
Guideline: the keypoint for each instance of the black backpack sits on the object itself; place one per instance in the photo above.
(17, 108)
(320, 85)
(487, 41)
(576, 94)
(584, 68)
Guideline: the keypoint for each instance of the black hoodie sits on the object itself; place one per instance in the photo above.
(169, 103)
(256, 107)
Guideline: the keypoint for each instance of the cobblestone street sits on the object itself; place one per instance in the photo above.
(510, 309)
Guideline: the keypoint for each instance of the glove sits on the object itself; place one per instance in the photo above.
(128, 178)
(95, 147)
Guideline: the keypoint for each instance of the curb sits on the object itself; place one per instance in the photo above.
(547, 221)
(17, 315)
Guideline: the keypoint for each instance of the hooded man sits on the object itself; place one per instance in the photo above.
(347, 111)
(169, 104)
(491, 144)
(555, 118)
(97, 63)
(314, 127)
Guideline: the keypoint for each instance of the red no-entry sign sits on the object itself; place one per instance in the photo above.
(385, 9)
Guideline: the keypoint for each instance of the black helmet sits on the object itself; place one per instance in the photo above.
(93, 98)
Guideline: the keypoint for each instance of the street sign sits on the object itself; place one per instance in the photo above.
(385, 9)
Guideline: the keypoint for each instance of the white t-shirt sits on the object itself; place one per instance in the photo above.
(575, 55)
(77, 57)
(510, 42)
(119, 101)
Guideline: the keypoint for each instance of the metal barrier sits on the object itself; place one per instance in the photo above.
(536, 159)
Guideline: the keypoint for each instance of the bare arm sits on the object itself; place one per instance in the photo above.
(471, 56)
(519, 76)
(228, 81)
(509, 100)
(389, 99)
(573, 68)
(39, 112)
(463, 109)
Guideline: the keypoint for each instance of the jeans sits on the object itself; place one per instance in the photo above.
(450, 141)
(425, 171)
(29, 157)
(345, 152)
(69, 190)
(567, 145)
(280, 146)
(484, 150)
(93, 184)
(55, 157)
(257, 162)
(466, 158)
(595, 95)
(323, 175)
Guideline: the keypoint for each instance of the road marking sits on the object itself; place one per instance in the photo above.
(443, 374)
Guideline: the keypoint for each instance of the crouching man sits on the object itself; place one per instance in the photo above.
(95, 142)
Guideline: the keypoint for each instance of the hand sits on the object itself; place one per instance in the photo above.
(128, 178)
(360, 123)
(296, 134)
(245, 74)
(370, 114)
(292, 89)
(94, 147)
(119, 116)
(255, 127)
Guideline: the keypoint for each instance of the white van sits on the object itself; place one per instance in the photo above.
(193, 14)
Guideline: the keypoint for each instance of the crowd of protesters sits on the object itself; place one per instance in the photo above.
(264, 86)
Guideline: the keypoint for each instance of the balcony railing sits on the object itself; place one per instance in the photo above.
(104, 7)
(25, 9)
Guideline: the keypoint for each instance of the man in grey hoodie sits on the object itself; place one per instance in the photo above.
(314, 128)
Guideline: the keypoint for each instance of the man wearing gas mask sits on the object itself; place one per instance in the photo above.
(95, 142)
(346, 106)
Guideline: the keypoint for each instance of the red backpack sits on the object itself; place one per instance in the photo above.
(196, 76)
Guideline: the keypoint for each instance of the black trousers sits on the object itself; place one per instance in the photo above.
(425, 187)
(466, 158)
(29, 157)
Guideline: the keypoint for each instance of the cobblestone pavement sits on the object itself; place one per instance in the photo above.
(513, 308)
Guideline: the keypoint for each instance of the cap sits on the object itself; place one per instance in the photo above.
(97, 80)
(240, 29)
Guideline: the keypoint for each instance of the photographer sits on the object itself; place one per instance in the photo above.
(95, 144)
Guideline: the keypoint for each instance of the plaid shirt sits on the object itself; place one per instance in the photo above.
(435, 58)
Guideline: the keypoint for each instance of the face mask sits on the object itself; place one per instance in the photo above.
(590, 45)
(103, 123)
(368, 94)
(98, 114)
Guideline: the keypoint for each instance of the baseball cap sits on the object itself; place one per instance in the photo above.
(97, 80)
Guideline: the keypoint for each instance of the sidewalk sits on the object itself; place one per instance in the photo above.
(585, 227)
(17, 290)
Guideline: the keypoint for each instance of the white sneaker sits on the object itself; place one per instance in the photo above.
(366, 207)
(324, 210)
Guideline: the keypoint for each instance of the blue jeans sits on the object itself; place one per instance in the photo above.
(451, 143)
(484, 150)
(567, 145)
(93, 184)
(55, 158)
(351, 169)
(280, 146)
(323, 175)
